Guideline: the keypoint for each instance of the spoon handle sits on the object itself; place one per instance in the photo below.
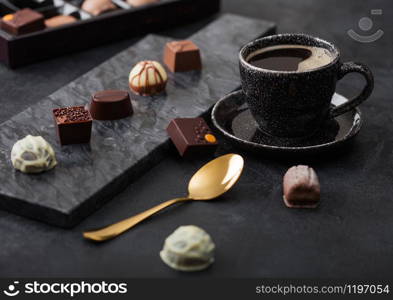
(118, 228)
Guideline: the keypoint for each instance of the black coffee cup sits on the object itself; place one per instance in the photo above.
(296, 103)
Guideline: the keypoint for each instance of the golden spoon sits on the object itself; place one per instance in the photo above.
(211, 181)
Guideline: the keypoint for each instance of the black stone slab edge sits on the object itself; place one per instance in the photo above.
(120, 151)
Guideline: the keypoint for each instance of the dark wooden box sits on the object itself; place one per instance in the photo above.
(91, 31)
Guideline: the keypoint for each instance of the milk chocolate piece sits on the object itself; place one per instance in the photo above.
(137, 3)
(22, 22)
(181, 56)
(301, 187)
(110, 105)
(59, 21)
(148, 78)
(73, 125)
(192, 137)
(98, 7)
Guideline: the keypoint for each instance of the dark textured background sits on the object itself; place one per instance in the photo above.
(349, 235)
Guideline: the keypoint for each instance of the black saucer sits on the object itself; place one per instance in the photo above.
(233, 119)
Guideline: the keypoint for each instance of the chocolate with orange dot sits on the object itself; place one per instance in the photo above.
(192, 137)
(73, 124)
(22, 22)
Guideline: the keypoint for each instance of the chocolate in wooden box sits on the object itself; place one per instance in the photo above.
(122, 20)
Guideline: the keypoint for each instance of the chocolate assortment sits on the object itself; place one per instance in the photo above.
(181, 56)
(192, 137)
(73, 125)
(119, 149)
(34, 15)
(64, 26)
(110, 105)
(148, 78)
(301, 187)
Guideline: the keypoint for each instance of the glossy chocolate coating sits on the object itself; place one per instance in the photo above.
(59, 21)
(23, 21)
(110, 105)
(98, 7)
(192, 137)
(301, 187)
(182, 56)
(73, 125)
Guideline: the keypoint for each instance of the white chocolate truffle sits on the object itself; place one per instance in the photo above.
(148, 78)
(188, 248)
(33, 154)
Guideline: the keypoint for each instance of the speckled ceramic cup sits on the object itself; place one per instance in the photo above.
(296, 103)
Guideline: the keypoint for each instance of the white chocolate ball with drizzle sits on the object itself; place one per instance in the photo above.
(148, 78)
(188, 248)
(33, 154)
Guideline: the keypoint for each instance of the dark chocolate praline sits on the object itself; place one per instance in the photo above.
(110, 105)
(192, 137)
(73, 125)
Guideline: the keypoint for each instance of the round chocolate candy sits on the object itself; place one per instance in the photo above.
(188, 248)
(137, 3)
(59, 20)
(98, 7)
(148, 78)
(110, 105)
(33, 154)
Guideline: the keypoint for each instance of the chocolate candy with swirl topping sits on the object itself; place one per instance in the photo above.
(182, 56)
(301, 187)
(192, 137)
(148, 78)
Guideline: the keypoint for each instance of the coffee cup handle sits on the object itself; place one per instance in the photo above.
(350, 67)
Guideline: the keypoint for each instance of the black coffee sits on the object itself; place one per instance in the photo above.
(290, 58)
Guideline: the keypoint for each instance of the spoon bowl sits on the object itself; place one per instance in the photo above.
(216, 177)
